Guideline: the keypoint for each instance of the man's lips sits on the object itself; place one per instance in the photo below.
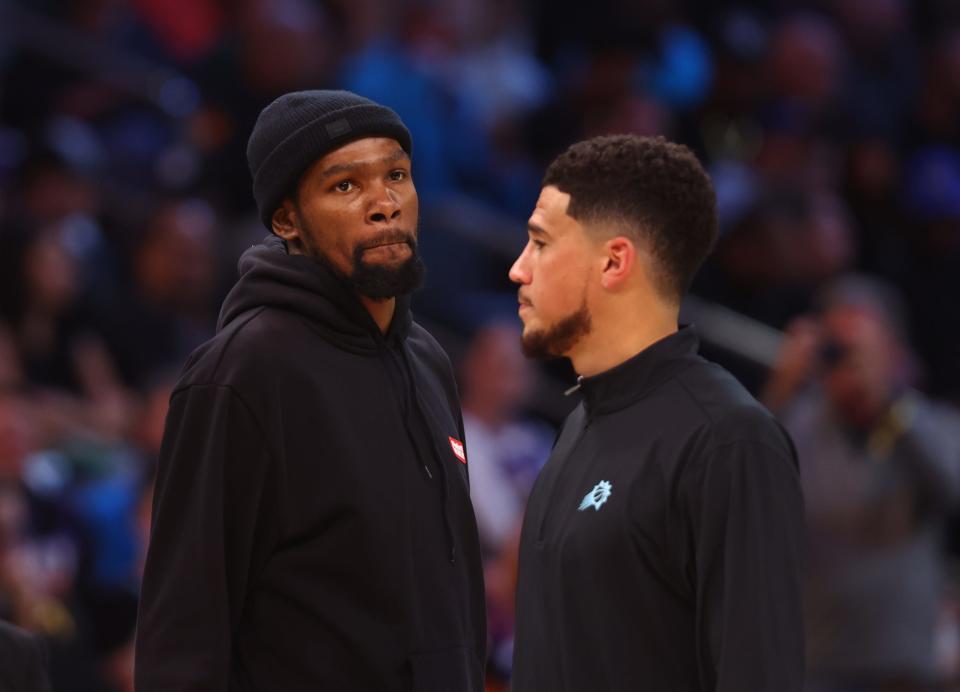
(390, 244)
(391, 236)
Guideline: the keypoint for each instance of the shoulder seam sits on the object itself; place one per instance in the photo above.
(744, 440)
(223, 351)
(693, 398)
(233, 391)
(758, 406)
(211, 378)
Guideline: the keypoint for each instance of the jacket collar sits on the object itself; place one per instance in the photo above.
(636, 377)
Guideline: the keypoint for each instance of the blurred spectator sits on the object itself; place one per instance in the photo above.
(806, 60)
(286, 44)
(67, 365)
(870, 184)
(880, 466)
(937, 116)
(50, 191)
(878, 86)
(38, 559)
(506, 452)
(173, 300)
(772, 261)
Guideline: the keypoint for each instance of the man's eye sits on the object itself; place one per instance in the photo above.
(344, 185)
(539, 244)
(397, 176)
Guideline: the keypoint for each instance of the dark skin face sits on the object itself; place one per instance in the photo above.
(355, 204)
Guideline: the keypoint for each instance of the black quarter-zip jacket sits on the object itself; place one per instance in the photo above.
(660, 550)
(312, 528)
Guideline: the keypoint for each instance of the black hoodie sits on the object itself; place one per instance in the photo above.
(312, 527)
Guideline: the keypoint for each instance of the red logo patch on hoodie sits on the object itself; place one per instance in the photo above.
(458, 451)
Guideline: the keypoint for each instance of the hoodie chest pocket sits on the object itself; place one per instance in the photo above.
(447, 670)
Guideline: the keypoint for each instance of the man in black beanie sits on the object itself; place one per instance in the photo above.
(312, 528)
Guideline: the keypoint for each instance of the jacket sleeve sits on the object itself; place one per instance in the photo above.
(41, 656)
(746, 516)
(23, 660)
(214, 514)
(930, 449)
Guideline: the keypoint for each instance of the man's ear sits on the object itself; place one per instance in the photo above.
(285, 222)
(619, 258)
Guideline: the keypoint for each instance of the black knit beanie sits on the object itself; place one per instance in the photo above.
(298, 128)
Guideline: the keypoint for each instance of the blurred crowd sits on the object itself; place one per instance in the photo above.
(831, 129)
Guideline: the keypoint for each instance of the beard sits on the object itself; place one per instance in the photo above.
(381, 281)
(559, 338)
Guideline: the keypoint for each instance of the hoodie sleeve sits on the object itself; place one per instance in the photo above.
(213, 514)
(746, 516)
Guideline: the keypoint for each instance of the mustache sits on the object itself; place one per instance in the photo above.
(521, 298)
(388, 237)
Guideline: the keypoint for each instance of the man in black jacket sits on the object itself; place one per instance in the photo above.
(660, 547)
(312, 528)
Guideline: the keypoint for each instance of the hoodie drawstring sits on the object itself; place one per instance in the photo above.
(416, 402)
(444, 484)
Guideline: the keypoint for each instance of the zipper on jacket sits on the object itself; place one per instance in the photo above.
(575, 387)
(554, 489)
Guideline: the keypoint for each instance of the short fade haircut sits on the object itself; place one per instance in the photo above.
(656, 190)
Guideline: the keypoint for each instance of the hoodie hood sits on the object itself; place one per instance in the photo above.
(271, 277)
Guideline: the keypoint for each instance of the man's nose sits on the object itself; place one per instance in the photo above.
(385, 206)
(518, 272)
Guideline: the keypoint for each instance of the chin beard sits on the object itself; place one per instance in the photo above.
(378, 281)
(560, 338)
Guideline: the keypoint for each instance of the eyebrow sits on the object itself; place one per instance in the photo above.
(339, 168)
(539, 230)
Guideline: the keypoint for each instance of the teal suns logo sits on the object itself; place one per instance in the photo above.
(597, 497)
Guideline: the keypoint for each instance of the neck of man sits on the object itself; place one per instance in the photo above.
(380, 310)
(621, 330)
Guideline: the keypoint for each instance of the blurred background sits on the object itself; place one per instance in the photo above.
(831, 129)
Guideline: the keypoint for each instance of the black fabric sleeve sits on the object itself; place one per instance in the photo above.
(40, 677)
(746, 517)
(212, 523)
(23, 660)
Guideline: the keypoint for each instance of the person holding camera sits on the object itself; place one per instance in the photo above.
(880, 468)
